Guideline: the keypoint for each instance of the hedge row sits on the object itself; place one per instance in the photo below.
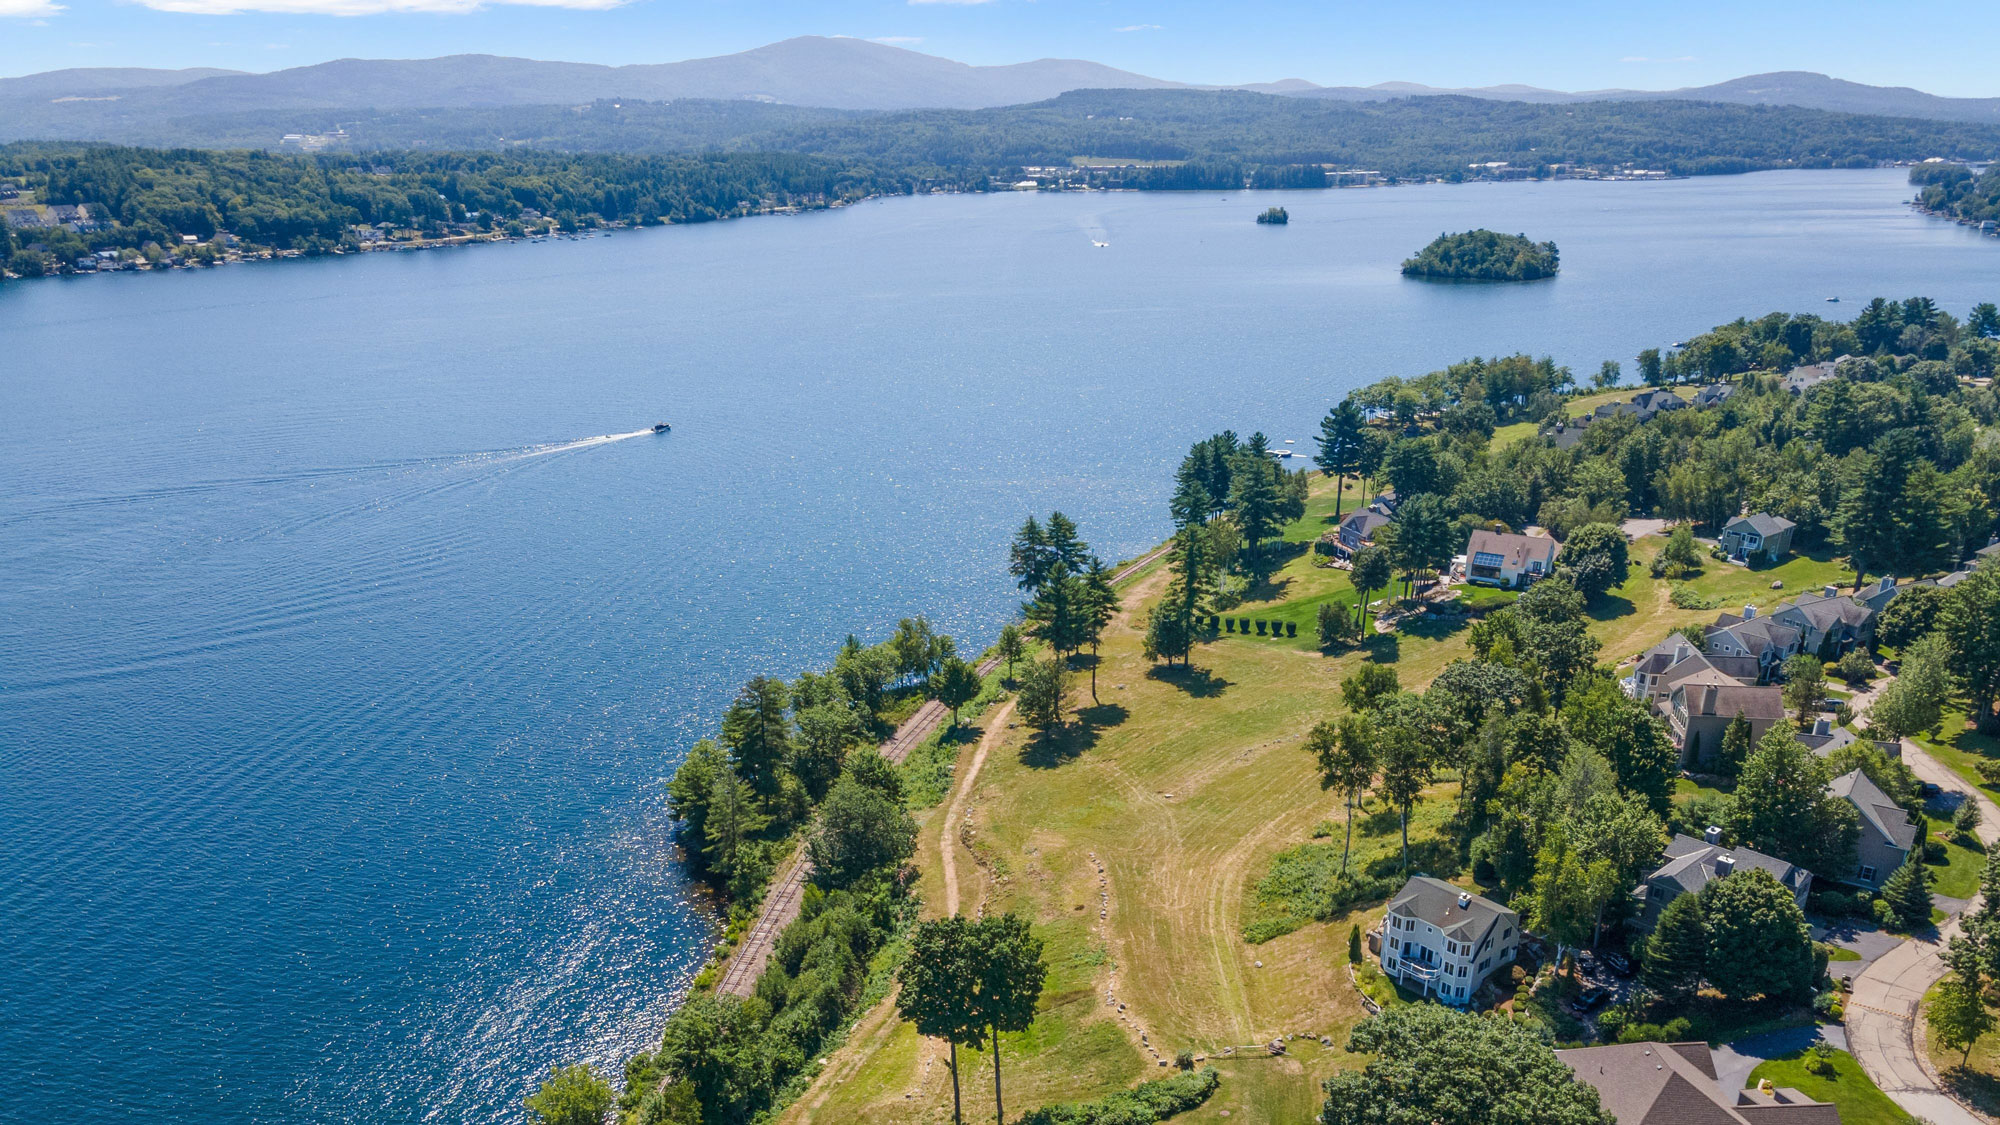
(1264, 628)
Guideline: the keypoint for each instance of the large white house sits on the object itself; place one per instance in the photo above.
(1497, 558)
(1444, 941)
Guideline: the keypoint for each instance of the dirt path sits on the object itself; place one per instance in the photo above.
(955, 812)
(1883, 1009)
(781, 903)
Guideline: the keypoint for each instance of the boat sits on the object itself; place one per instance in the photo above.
(1833, 300)
(661, 427)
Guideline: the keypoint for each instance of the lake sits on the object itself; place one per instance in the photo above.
(339, 667)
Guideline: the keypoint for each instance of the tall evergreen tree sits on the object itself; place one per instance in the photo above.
(1064, 546)
(1060, 614)
(757, 731)
(1677, 951)
(1907, 894)
(1372, 569)
(1253, 496)
(1100, 608)
(1340, 447)
(1029, 558)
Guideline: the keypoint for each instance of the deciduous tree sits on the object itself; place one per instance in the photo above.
(1011, 974)
(1758, 941)
(1429, 1065)
(939, 989)
(1345, 752)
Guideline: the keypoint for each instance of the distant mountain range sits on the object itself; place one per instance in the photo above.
(843, 74)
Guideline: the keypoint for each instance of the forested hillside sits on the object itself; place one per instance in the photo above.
(153, 198)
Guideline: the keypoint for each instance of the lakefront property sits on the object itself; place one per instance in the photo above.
(1536, 783)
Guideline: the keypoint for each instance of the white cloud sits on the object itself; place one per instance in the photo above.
(28, 9)
(1646, 59)
(1140, 27)
(898, 40)
(354, 7)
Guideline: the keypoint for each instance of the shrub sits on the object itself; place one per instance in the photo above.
(1855, 667)
(1827, 1006)
(1323, 829)
(1184, 1059)
(1354, 944)
(1611, 1022)
(1988, 770)
(1146, 1103)
(1291, 629)
(1260, 626)
(1231, 622)
(1685, 596)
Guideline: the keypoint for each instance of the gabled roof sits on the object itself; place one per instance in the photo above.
(1676, 1084)
(1714, 393)
(1691, 865)
(1763, 523)
(1514, 550)
(1363, 522)
(1823, 613)
(1715, 693)
(1878, 812)
(1757, 635)
(1436, 901)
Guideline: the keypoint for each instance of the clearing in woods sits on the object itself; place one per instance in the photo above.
(1184, 785)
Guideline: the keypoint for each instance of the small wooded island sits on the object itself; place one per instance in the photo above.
(1484, 255)
(1275, 216)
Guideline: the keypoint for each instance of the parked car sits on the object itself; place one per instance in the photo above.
(1619, 963)
(1588, 1000)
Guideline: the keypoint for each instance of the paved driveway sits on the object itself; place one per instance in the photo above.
(1882, 1008)
(1735, 1061)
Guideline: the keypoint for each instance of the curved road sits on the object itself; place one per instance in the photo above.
(1882, 1009)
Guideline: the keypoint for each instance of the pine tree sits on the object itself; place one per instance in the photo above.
(1063, 544)
(1029, 558)
(1736, 747)
(1100, 606)
(1253, 495)
(1340, 447)
(758, 732)
(1908, 894)
(1677, 952)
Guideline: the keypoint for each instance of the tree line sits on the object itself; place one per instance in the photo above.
(154, 197)
(1956, 191)
(1484, 255)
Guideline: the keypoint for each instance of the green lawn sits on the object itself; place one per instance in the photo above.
(1958, 876)
(1961, 748)
(1574, 408)
(1860, 1101)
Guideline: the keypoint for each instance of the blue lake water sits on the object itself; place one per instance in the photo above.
(338, 671)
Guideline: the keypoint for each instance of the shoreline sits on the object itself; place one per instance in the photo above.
(996, 186)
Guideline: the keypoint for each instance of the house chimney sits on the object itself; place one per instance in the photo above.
(1708, 699)
(1749, 612)
(1464, 900)
(1725, 865)
(1822, 726)
(1830, 591)
(1713, 836)
(1888, 582)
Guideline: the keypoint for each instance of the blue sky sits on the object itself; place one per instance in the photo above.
(1561, 45)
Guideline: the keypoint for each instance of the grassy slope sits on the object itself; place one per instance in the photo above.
(1960, 748)
(1186, 786)
(1860, 1102)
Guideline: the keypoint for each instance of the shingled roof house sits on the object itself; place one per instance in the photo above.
(1677, 1084)
(1759, 533)
(1770, 643)
(1675, 659)
(1689, 864)
(1701, 707)
(1445, 941)
(1494, 558)
(1887, 836)
(1829, 623)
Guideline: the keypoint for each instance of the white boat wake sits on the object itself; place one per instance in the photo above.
(567, 446)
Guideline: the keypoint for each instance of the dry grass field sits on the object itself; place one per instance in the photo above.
(1183, 785)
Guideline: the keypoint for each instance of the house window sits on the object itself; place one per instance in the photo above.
(1483, 965)
(1393, 944)
(1867, 873)
(1508, 933)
